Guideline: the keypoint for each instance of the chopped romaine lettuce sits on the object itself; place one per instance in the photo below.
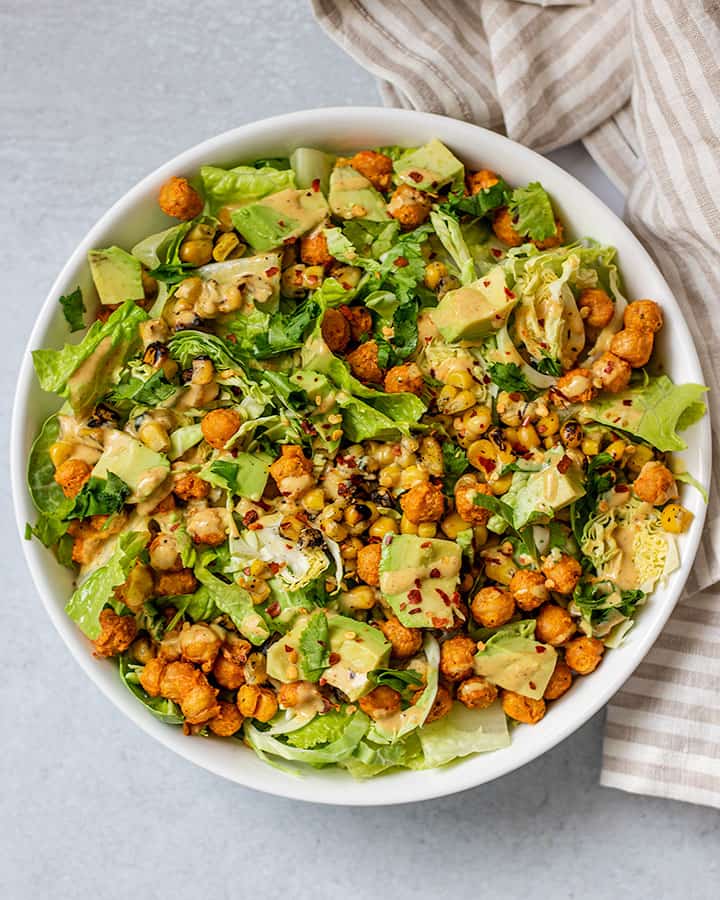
(242, 184)
(462, 732)
(234, 601)
(334, 752)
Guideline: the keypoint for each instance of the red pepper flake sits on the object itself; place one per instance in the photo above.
(401, 262)
(334, 659)
(273, 270)
(487, 464)
(250, 516)
(418, 583)
(509, 293)
(414, 596)
(541, 323)
(425, 545)
(175, 526)
(345, 286)
(415, 611)
(403, 606)
(288, 648)
(290, 240)
(434, 573)
(281, 223)
(515, 396)
(627, 402)
(274, 567)
(540, 648)
(486, 379)
(622, 488)
(308, 427)
(486, 283)
(256, 526)
(315, 184)
(564, 464)
(443, 596)
(496, 252)
(416, 176)
(231, 339)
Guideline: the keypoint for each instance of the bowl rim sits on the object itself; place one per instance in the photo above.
(336, 792)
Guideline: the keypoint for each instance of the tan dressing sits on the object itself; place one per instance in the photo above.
(621, 569)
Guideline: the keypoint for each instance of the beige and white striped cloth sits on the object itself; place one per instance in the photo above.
(639, 83)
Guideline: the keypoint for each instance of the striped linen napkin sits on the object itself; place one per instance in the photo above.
(639, 83)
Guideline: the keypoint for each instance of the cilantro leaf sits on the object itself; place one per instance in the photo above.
(549, 366)
(145, 393)
(172, 273)
(599, 478)
(509, 377)
(314, 647)
(596, 600)
(99, 497)
(404, 681)
(286, 332)
(532, 212)
(455, 462)
(73, 309)
(483, 202)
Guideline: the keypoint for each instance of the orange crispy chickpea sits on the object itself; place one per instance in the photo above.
(522, 709)
(199, 644)
(583, 655)
(409, 206)
(554, 625)
(335, 330)
(376, 167)
(363, 362)
(296, 692)
(380, 703)
(164, 553)
(406, 642)
(504, 228)
(228, 674)
(256, 702)
(596, 307)
(562, 574)
(644, 315)
(236, 649)
(634, 346)
(560, 681)
(292, 471)
(441, 705)
(207, 526)
(314, 249)
(368, 564)
(191, 487)
(456, 657)
(186, 685)
(611, 373)
(576, 386)
(481, 181)
(151, 675)
(477, 692)
(492, 607)
(423, 503)
(179, 199)
(71, 475)
(466, 489)
(116, 635)
(219, 425)
(170, 584)
(407, 377)
(528, 589)
(655, 484)
(228, 721)
(359, 319)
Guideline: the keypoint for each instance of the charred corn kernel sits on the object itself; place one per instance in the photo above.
(571, 434)
(639, 456)
(197, 253)
(480, 535)
(155, 437)
(313, 277)
(478, 420)
(431, 455)
(616, 450)
(452, 525)
(407, 527)
(259, 591)
(335, 530)
(291, 281)
(590, 447)
(258, 567)
(383, 453)
(427, 529)
(413, 475)
(360, 513)
(463, 400)
(203, 371)
(290, 527)
(434, 271)
(548, 425)
(313, 500)
(59, 452)
(382, 526)
(483, 455)
(675, 518)
(390, 476)
(460, 378)
(446, 395)
(527, 437)
(201, 232)
(362, 597)
(499, 567)
(227, 246)
(501, 485)
(349, 548)
(348, 276)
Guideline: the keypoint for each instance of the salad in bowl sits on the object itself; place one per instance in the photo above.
(362, 460)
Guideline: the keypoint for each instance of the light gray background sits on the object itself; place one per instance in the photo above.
(94, 96)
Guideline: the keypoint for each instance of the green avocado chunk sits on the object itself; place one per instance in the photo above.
(429, 167)
(352, 196)
(359, 649)
(514, 660)
(472, 312)
(117, 275)
(279, 217)
(141, 468)
(418, 578)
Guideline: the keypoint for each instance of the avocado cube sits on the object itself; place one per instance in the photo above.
(352, 196)
(281, 216)
(474, 311)
(429, 167)
(117, 275)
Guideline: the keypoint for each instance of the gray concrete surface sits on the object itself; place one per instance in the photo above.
(92, 97)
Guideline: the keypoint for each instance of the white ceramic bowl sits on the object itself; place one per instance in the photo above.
(344, 130)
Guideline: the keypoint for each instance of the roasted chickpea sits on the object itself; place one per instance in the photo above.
(634, 346)
(583, 655)
(380, 703)
(562, 574)
(368, 564)
(655, 484)
(477, 692)
(456, 657)
(171, 584)
(292, 471)
(423, 503)
(492, 607)
(441, 705)
(552, 240)
(405, 642)
(228, 721)
(199, 644)
(528, 589)
(116, 634)
(560, 681)
(296, 692)
(596, 307)
(255, 702)
(314, 249)
(186, 685)
(409, 206)
(611, 373)
(643, 315)
(335, 330)
(164, 553)
(219, 425)
(466, 489)
(191, 487)
(576, 386)
(359, 319)
(363, 362)
(179, 200)
(406, 378)
(554, 625)
(481, 181)
(228, 674)
(504, 228)
(151, 675)
(522, 709)
(376, 167)
(71, 475)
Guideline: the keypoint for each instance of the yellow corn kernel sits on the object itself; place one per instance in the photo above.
(549, 442)
(349, 548)
(452, 525)
(501, 485)
(413, 475)
(203, 371)
(313, 277)
(434, 271)
(460, 378)
(290, 527)
(675, 519)
(482, 455)
(361, 597)
(313, 500)
(446, 395)
(427, 529)
(499, 567)
(201, 232)
(155, 437)
(291, 281)
(527, 437)
(431, 455)
(638, 457)
(348, 276)
(616, 450)
(260, 592)
(227, 246)
(197, 253)
(548, 425)
(480, 535)
(335, 530)
(407, 527)
(464, 399)
(478, 420)
(382, 526)
(258, 567)
(59, 452)
(390, 476)
(590, 447)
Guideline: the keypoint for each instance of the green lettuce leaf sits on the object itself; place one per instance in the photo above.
(314, 647)
(234, 601)
(370, 759)
(162, 708)
(480, 204)
(242, 184)
(46, 493)
(323, 729)
(462, 732)
(533, 212)
(334, 752)
(448, 230)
